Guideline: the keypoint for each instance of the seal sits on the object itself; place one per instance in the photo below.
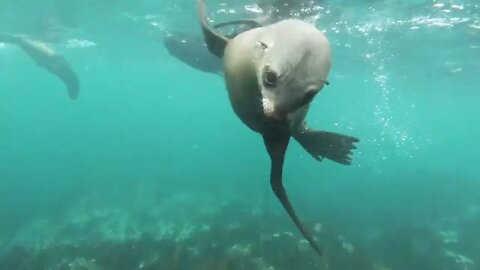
(272, 74)
(47, 58)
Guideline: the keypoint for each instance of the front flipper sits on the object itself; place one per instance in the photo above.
(324, 144)
(276, 141)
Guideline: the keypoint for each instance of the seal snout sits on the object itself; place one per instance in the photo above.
(270, 110)
(279, 110)
(268, 107)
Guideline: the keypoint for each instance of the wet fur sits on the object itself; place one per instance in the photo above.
(301, 54)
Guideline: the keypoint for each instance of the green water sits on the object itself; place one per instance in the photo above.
(152, 144)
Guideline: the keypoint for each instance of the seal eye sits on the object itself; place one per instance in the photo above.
(270, 78)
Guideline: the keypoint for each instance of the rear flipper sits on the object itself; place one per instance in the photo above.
(324, 144)
(216, 43)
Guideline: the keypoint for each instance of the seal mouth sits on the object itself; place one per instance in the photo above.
(268, 106)
(272, 111)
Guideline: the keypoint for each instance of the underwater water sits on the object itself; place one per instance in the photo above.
(149, 168)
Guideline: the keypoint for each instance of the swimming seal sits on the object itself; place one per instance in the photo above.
(272, 74)
(47, 58)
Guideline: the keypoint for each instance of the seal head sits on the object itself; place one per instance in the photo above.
(291, 69)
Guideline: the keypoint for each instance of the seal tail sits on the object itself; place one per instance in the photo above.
(216, 43)
(324, 144)
(276, 143)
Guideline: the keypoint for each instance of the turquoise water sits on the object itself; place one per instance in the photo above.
(150, 168)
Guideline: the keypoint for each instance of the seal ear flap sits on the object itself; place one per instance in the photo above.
(215, 43)
(262, 46)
